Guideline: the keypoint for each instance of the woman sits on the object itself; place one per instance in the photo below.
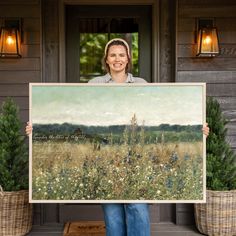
(122, 219)
(117, 62)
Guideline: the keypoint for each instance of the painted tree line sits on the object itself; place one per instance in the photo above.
(116, 133)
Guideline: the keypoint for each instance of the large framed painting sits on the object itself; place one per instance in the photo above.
(117, 143)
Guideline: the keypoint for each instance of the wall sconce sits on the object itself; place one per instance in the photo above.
(207, 38)
(10, 39)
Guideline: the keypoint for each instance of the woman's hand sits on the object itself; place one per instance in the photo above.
(206, 129)
(28, 128)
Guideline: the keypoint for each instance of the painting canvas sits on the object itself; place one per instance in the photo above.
(117, 143)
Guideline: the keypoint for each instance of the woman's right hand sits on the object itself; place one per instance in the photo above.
(28, 128)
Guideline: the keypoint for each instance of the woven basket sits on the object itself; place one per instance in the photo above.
(15, 213)
(217, 217)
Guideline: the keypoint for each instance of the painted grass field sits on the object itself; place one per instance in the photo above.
(78, 171)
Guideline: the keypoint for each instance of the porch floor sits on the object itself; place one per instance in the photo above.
(161, 229)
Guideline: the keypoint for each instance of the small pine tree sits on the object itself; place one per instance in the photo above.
(221, 160)
(13, 150)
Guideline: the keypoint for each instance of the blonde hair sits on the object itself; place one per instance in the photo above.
(116, 41)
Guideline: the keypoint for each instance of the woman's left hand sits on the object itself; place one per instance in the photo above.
(206, 129)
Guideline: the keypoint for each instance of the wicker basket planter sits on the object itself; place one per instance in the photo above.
(15, 213)
(217, 217)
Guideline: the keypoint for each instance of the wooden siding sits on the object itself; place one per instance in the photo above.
(220, 72)
(15, 74)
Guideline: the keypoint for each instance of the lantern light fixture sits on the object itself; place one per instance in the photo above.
(207, 38)
(10, 39)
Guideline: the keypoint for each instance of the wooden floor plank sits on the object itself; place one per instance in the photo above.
(161, 229)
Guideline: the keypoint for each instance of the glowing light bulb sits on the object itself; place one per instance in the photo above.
(10, 40)
(207, 40)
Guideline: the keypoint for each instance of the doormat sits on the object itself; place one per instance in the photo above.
(85, 228)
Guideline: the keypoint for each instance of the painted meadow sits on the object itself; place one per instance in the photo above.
(98, 150)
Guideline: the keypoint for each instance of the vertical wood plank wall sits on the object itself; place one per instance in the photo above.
(167, 51)
(15, 74)
(50, 41)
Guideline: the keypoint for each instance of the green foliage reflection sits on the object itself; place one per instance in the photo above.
(92, 50)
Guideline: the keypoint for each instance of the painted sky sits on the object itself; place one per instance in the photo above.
(115, 105)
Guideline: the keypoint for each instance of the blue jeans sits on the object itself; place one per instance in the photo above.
(126, 219)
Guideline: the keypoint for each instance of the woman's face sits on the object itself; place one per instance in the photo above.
(117, 58)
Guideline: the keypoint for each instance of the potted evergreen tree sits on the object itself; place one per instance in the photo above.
(218, 215)
(15, 210)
